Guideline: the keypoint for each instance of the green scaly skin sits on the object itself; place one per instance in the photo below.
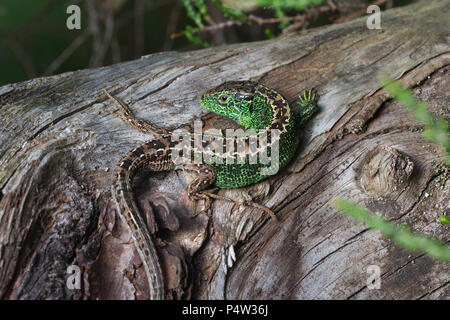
(248, 103)
(254, 106)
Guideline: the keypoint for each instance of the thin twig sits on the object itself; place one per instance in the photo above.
(66, 53)
(101, 44)
(23, 58)
(12, 41)
(171, 27)
(94, 29)
(109, 33)
(28, 25)
(254, 19)
(115, 50)
(360, 13)
(295, 26)
(139, 7)
(332, 5)
(300, 20)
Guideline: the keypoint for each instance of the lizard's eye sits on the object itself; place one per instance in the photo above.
(223, 98)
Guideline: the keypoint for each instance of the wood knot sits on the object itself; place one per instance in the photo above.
(384, 170)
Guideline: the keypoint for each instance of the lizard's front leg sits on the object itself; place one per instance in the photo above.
(202, 177)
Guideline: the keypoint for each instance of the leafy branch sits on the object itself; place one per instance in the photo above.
(280, 6)
(197, 11)
(401, 235)
(436, 130)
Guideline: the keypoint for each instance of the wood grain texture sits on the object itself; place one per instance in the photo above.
(59, 145)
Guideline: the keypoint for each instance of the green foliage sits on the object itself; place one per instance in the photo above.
(190, 35)
(278, 9)
(298, 5)
(435, 129)
(269, 33)
(444, 220)
(401, 235)
(197, 11)
(280, 6)
(230, 12)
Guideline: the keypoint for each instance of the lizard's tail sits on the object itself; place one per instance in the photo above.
(143, 243)
(124, 200)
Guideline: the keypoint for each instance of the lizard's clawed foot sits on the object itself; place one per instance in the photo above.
(308, 105)
(250, 203)
(307, 97)
(207, 195)
(200, 196)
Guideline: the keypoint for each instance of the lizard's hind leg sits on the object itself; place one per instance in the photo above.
(247, 203)
(204, 179)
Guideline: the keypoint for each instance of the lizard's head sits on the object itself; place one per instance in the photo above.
(233, 100)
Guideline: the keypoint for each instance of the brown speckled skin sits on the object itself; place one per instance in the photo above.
(156, 154)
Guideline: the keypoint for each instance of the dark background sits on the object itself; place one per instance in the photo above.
(34, 39)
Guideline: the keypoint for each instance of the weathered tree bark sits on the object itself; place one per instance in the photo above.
(59, 144)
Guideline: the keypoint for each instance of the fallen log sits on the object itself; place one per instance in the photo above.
(59, 145)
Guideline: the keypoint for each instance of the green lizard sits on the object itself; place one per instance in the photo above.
(251, 105)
